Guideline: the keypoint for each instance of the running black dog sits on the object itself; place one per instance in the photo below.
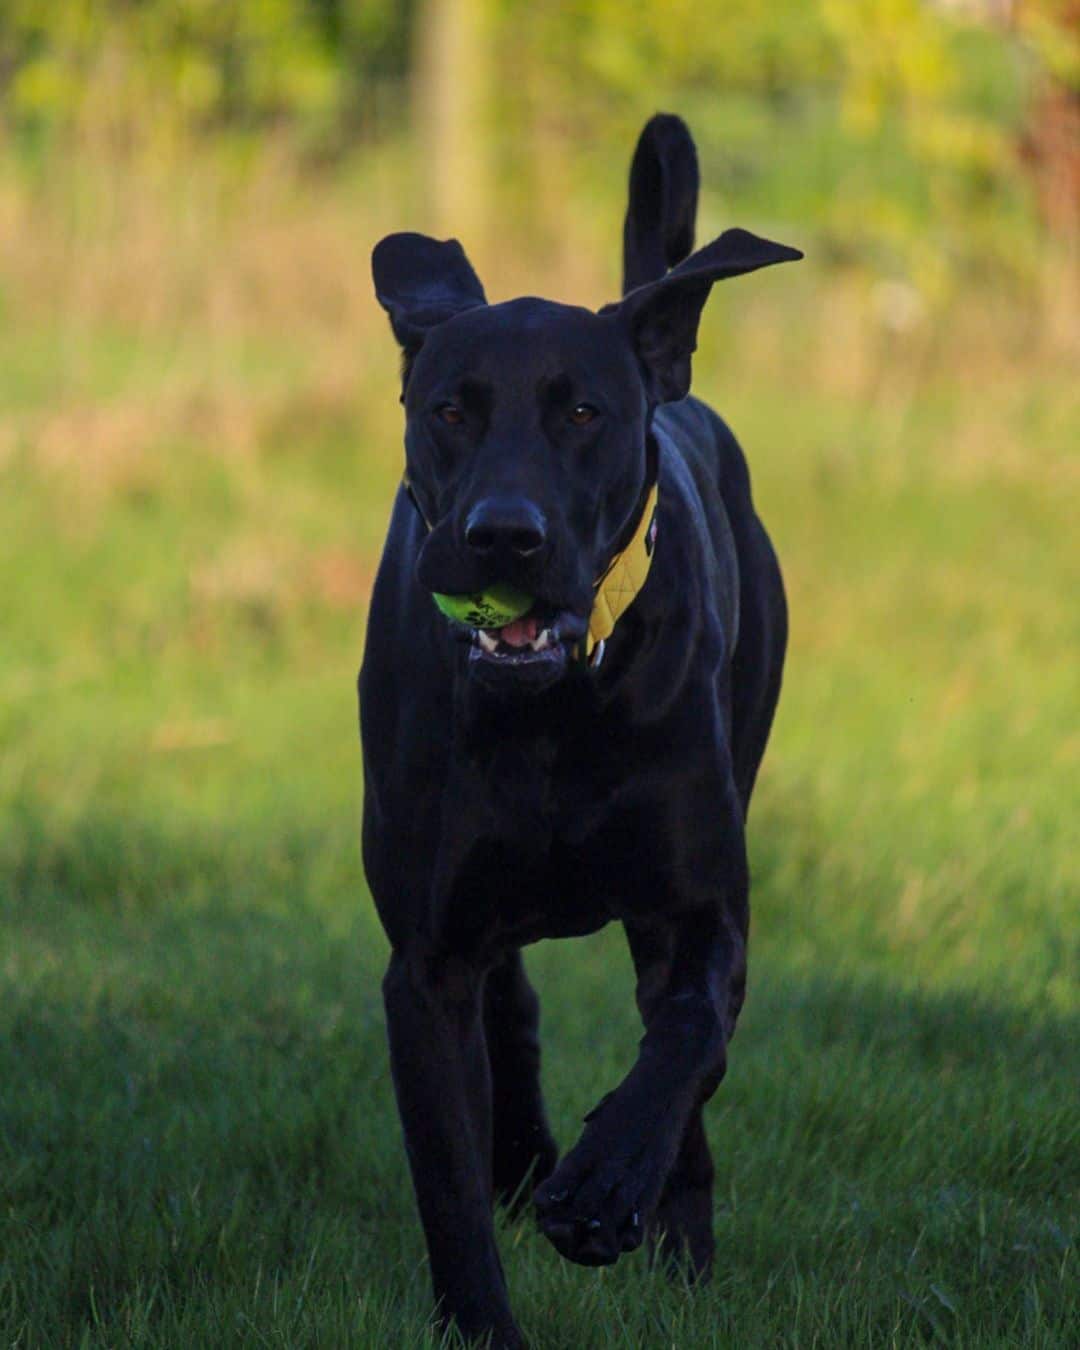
(590, 759)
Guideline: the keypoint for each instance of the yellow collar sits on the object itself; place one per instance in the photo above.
(617, 586)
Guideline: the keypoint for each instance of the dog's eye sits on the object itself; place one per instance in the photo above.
(450, 413)
(583, 414)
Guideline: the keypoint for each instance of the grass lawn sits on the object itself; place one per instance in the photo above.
(198, 1143)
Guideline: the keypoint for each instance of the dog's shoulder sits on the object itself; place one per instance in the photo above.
(707, 443)
(707, 467)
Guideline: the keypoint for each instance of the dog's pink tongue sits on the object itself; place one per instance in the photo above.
(520, 633)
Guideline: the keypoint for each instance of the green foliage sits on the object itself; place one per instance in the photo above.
(195, 63)
(1050, 29)
(905, 118)
(598, 49)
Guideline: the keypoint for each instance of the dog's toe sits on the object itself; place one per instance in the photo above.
(588, 1242)
(595, 1244)
(632, 1232)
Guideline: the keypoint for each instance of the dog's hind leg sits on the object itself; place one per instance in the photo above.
(680, 1233)
(522, 1140)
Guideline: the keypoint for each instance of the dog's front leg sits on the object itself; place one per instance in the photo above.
(442, 1082)
(597, 1202)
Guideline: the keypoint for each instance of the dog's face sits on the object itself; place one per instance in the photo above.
(525, 445)
(526, 432)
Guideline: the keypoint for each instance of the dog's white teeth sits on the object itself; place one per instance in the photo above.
(491, 643)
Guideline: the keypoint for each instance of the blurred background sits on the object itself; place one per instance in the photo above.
(199, 441)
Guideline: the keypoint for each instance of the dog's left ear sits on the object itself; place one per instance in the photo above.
(662, 316)
(421, 282)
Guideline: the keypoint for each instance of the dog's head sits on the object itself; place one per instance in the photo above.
(527, 446)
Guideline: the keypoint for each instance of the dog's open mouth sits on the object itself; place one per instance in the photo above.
(542, 640)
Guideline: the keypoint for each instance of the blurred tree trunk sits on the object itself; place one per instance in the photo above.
(1052, 142)
(451, 95)
(1051, 149)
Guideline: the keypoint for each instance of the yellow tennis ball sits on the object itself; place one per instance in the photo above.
(492, 608)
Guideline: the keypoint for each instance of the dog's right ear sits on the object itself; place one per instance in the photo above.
(662, 317)
(421, 282)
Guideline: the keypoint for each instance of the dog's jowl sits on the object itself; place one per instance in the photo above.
(569, 736)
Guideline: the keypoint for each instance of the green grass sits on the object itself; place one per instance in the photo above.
(198, 1144)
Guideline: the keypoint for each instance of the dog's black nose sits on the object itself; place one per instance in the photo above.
(511, 525)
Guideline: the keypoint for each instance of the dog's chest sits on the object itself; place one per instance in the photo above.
(539, 849)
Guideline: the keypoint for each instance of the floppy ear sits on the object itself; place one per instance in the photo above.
(421, 282)
(662, 317)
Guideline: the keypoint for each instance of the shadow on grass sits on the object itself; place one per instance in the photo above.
(197, 1124)
(272, 853)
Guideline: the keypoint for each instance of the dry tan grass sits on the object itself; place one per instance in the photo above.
(240, 293)
(238, 296)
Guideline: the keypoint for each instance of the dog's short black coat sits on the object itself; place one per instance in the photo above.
(520, 793)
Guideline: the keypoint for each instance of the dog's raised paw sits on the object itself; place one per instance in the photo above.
(592, 1208)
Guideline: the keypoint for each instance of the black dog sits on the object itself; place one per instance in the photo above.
(591, 759)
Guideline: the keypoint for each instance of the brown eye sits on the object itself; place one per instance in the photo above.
(450, 414)
(583, 414)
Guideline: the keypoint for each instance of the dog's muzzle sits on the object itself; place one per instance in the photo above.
(534, 650)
